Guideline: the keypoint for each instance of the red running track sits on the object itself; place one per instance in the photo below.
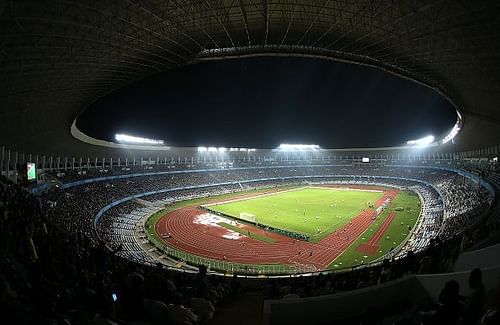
(382, 229)
(207, 241)
(371, 247)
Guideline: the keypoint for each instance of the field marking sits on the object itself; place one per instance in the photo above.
(252, 197)
(289, 190)
(345, 189)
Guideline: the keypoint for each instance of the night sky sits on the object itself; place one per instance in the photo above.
(262, 102)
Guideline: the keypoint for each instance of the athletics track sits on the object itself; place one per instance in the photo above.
(207, 240)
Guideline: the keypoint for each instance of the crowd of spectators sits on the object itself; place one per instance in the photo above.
(51, 276)
(75, 208)
(463, 202)
(430, 226)
(91, 169)
(68, 175)
(56, 270)
(431, 219)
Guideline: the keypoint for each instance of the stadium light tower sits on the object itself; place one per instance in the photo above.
(212, 149)
(450, 136)
(295, 147)
(422, 142)
(125, 138)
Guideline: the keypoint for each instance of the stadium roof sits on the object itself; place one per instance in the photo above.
(58, 57)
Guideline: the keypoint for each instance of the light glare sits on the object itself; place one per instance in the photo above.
(212, 149)
(422, 141)
(132, 139)
(454, 131)
(288, 146)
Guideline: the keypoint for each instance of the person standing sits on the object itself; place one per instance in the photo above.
(474, 304)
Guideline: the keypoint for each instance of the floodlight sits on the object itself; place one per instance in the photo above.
(454, 131)
(288, 146)
(234, 149)
(212, 149)
(132, 139)
(425, 141)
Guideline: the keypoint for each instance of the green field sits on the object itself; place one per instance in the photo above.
(316, 212)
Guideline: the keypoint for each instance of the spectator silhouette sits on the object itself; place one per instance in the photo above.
(451, 307)
(474, 303)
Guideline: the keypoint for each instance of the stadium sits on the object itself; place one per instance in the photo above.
(213, 162)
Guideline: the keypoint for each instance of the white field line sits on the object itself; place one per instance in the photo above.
(252, 197)
(284, 191)
(345, 189)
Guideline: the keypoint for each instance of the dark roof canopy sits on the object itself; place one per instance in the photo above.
(58, 57)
